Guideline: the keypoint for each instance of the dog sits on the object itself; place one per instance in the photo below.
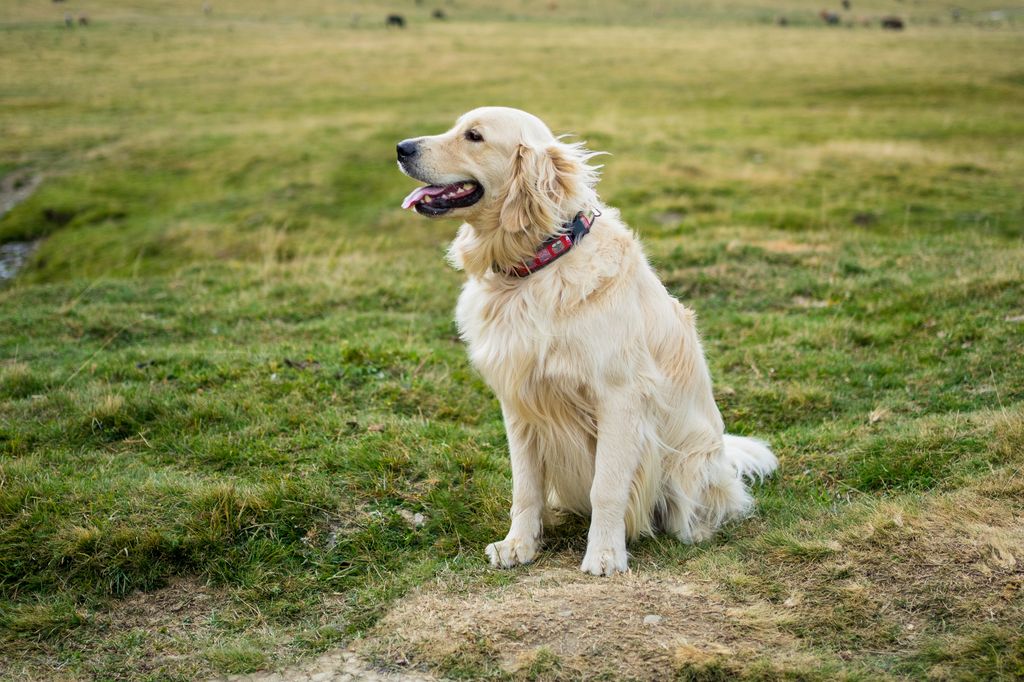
(604, 389)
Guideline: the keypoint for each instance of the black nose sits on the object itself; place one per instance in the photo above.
(407, 148)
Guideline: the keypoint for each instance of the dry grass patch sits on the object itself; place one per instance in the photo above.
(957, 558)
(789, 245)
(557, 623)
(907, 575)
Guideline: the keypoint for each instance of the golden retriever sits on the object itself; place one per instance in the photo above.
(603, 384)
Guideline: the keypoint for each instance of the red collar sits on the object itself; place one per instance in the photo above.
(557, 246)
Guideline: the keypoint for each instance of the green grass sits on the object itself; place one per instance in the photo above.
(232, 359)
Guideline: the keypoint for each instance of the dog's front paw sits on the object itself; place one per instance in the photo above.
(605, 560)
(511, 551)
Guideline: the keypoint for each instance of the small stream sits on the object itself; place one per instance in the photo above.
(15, 188)
(13, 256)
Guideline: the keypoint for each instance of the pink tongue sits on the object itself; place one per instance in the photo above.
(419, 193)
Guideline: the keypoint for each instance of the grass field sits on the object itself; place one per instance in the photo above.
(229, 377)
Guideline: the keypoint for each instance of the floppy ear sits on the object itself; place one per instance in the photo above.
(541, 183)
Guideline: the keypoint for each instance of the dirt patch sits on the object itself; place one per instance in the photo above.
(637, 626)
(788, 246)
(16, 187)
(336, 666)
(670, 218)
(155, 634)
(184, 608)
(172, 610)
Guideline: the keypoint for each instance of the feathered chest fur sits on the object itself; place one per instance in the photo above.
(513, 336)
(522, 347)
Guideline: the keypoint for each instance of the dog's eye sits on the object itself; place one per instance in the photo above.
(474, 136)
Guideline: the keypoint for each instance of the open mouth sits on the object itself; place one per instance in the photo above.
(434, 200)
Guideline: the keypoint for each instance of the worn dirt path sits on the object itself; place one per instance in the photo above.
(334, 666)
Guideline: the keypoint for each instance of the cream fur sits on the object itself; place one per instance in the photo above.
(604, 389)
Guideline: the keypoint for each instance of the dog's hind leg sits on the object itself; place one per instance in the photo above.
(705, 487)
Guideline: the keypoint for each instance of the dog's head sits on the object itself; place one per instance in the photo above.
(499, 168)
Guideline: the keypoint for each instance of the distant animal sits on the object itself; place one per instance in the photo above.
(604, 389)
(782, 21)
(439, 14)
(892, 23)
(830, 18)
(83, 19)
(846, 4)
(207, 8)
(396, 20)
(865, 218)
(69, 20)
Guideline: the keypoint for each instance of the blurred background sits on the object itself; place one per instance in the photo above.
(186, 130)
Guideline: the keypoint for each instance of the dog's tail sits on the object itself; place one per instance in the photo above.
(751, 457)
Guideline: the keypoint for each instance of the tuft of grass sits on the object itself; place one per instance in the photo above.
(51, 619)
(238, 656)
(18, 381)
(992, 653)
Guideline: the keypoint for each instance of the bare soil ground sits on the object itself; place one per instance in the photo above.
(640, 625)
(336, 666)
